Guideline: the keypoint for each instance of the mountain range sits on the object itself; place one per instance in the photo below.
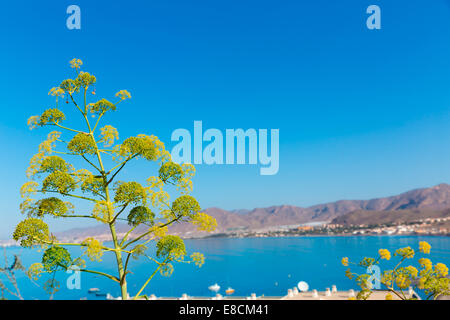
(424, 202)
(425, 199)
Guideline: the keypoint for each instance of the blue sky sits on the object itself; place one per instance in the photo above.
(361, 113)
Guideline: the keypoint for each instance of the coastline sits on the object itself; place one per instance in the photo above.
(16, 245)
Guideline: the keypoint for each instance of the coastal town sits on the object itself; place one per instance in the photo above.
(427, 226)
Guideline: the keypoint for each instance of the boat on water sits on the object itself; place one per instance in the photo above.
(93, 290)
(215, 287)
(100, 294)
(229, 291)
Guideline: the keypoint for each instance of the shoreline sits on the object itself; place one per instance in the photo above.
(324, 236)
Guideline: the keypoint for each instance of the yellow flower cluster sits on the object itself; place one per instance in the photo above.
(35, 270)
(344, 261)
(33, 122)
(405, 252)
(158, 230)
(48, 145)
(204, 222)
(424, 247)
(349, 274)
(425, 263)
(45, 148)
(109, 135)
(160, 199)
(441, 269)
(422, 282)
(123, 94)
(402, 281)
(93, 249)
(28, 188)
(433, 280)
(103, 211)
(157, 195)
(147, 147)
(31, 232)
(198, 259)
(166, 270)
(184, 185)
(56, 92)
(138, 251)
(412, 271)
(76, 63)
(384, 254)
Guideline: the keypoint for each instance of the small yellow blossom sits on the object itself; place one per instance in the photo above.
(28, 188)
(198, 259)
(159, 230)
(33, 122)
(35, 270)
(424, 247)
(389, 297)
(441, 269)
(76, 63)
(109, 135)
(384, 254)
(93, 249)
(425, 263)
(412, 271)
(402, 281)
(204, 222)
(405, 252)
(421, 283)
(344, 261)
(349, 274)
(123, 94)
(103, 211)
(56, 92)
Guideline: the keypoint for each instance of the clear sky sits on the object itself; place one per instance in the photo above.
(362, 113)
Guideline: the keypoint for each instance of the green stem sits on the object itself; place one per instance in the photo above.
(112, 227)
(148, 280)
(87, 160)
(148, 232)
(102, 274)
(67, 194)
(69, 129)
(126, 235)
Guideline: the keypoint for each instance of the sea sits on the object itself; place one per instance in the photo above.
(264, 266)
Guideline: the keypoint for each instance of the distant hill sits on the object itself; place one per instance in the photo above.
(409, 205)
(414, 203)
(366, 217)
(434, 198)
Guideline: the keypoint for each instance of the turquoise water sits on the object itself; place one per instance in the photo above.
(266, 266)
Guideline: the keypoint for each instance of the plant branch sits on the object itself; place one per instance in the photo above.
(69, 195)
(73, 100)
(150, 231)
(102, 274)
(98, 120)
(148, 280)
(118, 214)
(118, 170)
(88, 161)
(126, 235)
(62, 127)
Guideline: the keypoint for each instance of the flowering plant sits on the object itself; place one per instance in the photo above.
(432, 279)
